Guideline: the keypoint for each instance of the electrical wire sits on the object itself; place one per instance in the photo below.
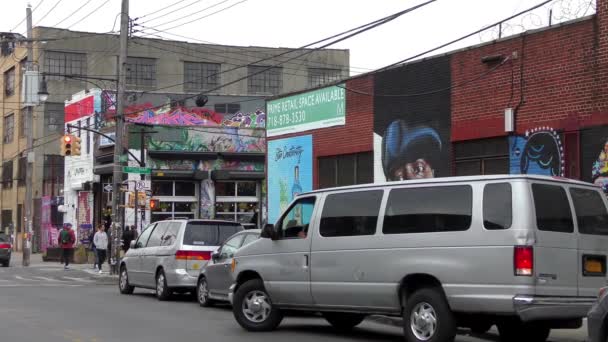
(24, 19)
(49, 12)
(160, 10)
(88, 15)
(166, 14)
(71, 14)
(193, 14)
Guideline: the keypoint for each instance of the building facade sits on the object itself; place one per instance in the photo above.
(72, 61)
(534, 103)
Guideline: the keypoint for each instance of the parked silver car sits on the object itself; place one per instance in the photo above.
(215, 278)
(526, 253)
(597, 319)
(168, 255)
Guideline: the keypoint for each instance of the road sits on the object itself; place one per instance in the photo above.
(52, 305)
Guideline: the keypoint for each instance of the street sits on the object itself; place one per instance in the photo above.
(46, 303)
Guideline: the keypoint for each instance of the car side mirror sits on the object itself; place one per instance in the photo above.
(268, 232)
(215, 255)
(133, 245)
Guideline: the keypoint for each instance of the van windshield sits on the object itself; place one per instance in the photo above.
(209, 233)
(591, 213)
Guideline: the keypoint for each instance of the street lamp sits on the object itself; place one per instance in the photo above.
(43, 93)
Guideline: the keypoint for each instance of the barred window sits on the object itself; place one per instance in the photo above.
(201, 76)
(141, 72)
(9, 128)
(21, 171)
(7, 174)
(265, 80)
(64, 63)
(9, 82)
(320, 76)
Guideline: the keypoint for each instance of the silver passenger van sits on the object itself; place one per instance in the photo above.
(527, 253)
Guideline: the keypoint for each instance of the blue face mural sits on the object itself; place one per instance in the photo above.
(539, 152)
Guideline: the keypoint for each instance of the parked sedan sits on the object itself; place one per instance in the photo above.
(597, 319)
(5, 250)
(215, 278)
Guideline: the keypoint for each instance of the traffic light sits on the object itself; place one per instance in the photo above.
(66, 145)
(75, 146)
(154, 204)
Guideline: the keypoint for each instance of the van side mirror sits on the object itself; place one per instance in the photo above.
(268, 232)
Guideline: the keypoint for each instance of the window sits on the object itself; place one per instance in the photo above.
(351, 214)
(552, 208)
(236, 201)
(249, 238)
(590, 211)
(64, 63)
(320, 76)
(141, 72)
(177, 200)
(428, 210)
(53, 119)
(265, 80)
(170, 235)
(158, 234)
(201, 76)
(9, 82)
(347, 169)
(228, 108)
(209, 234)
(9, 128)
(7, 174)
(231, 246)
(497, 206)
(294, 224)
(21, 171)
(24, 114)
(143, 238)
(482, 157)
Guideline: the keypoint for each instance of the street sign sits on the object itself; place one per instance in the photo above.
(137, 169)
(107, 187)
(139, 185)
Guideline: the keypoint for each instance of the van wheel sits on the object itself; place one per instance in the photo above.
(202, 293)
(123, 281)
(427, 317)
(253, 309)
(162, 290)
(517, 331)
(342, 320)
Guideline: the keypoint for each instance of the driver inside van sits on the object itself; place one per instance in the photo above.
(295, 230)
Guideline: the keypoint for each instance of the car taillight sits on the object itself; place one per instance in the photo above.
(193, 255)
(523, 260)
(5, 246)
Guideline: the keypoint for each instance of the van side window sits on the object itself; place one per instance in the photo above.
(428, 210)
(295, 222)
(170, 235)
(590, 211)
(157, 234)
(351, 214)
(552, 208)
(497, 206)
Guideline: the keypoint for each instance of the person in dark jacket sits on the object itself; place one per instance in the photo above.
(67, 238)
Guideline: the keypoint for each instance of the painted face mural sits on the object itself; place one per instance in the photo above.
(599, 172)
(409, 153)
(539, 152)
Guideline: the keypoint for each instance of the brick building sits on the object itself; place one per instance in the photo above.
(536, 103)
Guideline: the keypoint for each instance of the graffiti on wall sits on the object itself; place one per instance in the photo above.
(207, 199)
(539, 152)
(594, 156)
(412, 133)
(206, 165)
(256, 119)
(191, 139)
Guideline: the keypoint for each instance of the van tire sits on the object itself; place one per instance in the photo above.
(431, 300)
(516, 331)
(163, 292)
(243, 297)
(343, 321)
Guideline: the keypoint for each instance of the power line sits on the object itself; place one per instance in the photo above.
(88, 15)
(71, 14)
(22, 20)
(49, 12)
(192, 14)
(162, 9)
(166, 14)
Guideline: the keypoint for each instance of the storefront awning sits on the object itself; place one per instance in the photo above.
(237, 175)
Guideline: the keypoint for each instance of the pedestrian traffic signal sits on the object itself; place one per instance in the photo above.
(66, 145)
(154, 204)
(75, 146)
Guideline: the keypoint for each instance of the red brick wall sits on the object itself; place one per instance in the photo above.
(356, 136)
(563, 85)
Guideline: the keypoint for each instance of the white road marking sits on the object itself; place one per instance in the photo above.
(80, 280)
(25, 279)
(50, 279)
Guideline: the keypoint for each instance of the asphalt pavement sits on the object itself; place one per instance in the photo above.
(46, 303)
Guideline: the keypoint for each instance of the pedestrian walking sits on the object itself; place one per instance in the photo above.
(93, 248)
(101, 243)
(66, 243)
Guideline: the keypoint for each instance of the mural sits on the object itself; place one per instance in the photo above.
(190, 139)
(46, 225)
(289, 172)
(539, 152)
(84, 219)
(207, 199)
(594, 156)
(412, 133)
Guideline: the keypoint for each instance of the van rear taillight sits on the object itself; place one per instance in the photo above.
(193, 255)
(523, 261)
(5, 246)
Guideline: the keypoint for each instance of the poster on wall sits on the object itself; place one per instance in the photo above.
(538, 152)
(289, 172)
(46, 225)
(594, 156)
(84, 220)
(412, 133)
(311, 110)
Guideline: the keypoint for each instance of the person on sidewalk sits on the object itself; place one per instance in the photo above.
(93, 249)
(101, 243)
(66, 243)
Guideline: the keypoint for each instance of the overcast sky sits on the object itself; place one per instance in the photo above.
(291, 23)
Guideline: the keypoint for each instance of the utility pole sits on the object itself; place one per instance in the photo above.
(29, 170)
(142, 162)
(118, 145)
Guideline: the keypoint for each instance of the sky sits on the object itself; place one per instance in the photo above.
(291, 23)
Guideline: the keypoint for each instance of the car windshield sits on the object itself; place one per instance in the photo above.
(209, 233)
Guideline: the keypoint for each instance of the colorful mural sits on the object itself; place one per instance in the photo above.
(539, 152)
(594, 156)
(191, 139)
(246, 120)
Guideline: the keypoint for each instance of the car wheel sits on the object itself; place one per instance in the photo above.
(202, 293)
(516, 331)
(427, 317)
(342, 320)
(162, 290)
(123, 281)
(253, 309)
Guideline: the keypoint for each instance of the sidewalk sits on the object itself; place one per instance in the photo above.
(36, 261)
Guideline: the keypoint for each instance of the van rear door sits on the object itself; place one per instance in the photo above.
(555, 250)
(592, 223)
